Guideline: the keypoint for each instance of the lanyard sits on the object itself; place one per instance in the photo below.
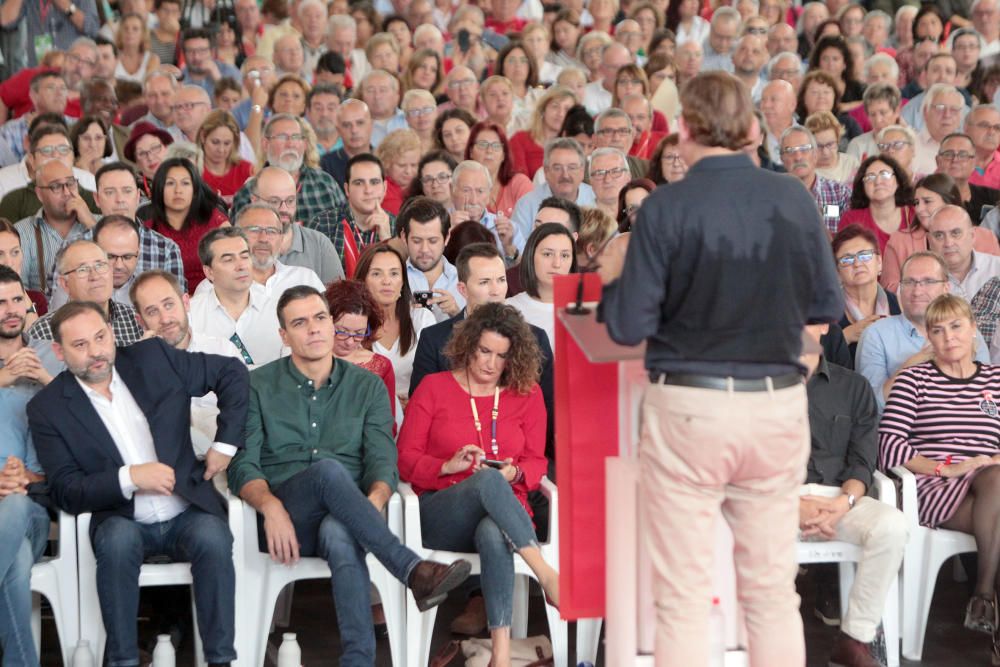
(493, 426)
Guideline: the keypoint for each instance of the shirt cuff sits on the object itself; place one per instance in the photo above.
(125, 482)
(223, 448)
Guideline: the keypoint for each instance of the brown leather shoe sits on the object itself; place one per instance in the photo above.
(472, 621)
(430, 581)
(849, 652)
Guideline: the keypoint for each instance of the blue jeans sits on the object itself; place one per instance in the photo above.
(483, 515)
(335, 521)
(24, 530)
(194, 536)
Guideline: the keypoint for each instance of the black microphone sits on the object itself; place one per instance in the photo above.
(578, 308)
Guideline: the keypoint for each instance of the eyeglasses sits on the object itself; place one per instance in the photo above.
(277, 202)
(673, 158)
(882, 175)
(74, 58)
(440, 179)
(892, 146)
(52, 151)
(602, 174)
(956, 156)
(756, 31)
(614, 132)
(987, 127)
(564, 168)
(910, 283)
(463, 83)
(197, 49)
(356, 335)
(152, 152)
(187, 106)
(127, 258)
(488, 145)
(795, 150)
(954, 235)
(69, 185)
(785, 73)
(516, 60)
(284, 136)
(100, 267)
(257, 230)
(632, 209)
(423, 111)
(945, 108)
(629, 82)
(827, 147)
(863, 256)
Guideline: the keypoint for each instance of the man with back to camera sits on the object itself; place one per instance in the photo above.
(724, 363)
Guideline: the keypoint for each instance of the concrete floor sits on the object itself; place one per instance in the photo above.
(948, 643)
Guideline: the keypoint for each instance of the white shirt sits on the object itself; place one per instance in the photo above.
(596, 98)
(447, 281)
(983, 268)
(924, 154)
(542, 315)
(205, 409)
(257, 326)
(284, 276)
(130, 432)
(847, 166)
(402, 365)
(16, 176)
(698, 32)
(862, 146)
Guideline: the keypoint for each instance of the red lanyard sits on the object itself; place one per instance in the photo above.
(494, 447)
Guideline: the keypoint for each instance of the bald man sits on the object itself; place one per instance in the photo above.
(462, 89)
(598, 94)
(949, 234)
(748, 63)
(777, 105)
(355, 126)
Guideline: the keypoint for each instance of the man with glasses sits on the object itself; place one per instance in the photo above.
(300, 246)
(46, 143)
(462, 89)
(597, 95)
(322, 104)
(471, 184)
(264, 231)
(354, 125)
(949, 234)
(191, 105)
(956, 157)
(85, 275)
(718, 47)
(942, 110)
(563, 166)
(48, 93)
(608, 175)
(941, 68)
(983, 126)
(798, 154)
(613, 129)
(380, 91)
(200, 68)
(284, 145)
(899, 341)
(118, 237)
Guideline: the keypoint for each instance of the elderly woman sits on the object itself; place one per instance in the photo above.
(819, 93)
(855, 249)
(882, 199)
(383, 52)
(931, 194)
(597, 229)
(548, 252)
(473, 447)
(589, 51)
(420, 108)
(147, 148)
(399, 153)
(940, 424)
(898, 142)
(830, 162)
(488, 146)
(451, 132)
(528, 146)
(434, 178)
(219, 139)
(881, 104)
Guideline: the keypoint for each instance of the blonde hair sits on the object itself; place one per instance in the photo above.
(596, 227)
(214, 120)
(822, 121)
(415, 93)
(553, 94)
(395, 144)
(571, 71)
(947, 307)
(378, 39)
(144, 45)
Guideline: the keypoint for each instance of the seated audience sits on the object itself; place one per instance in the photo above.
(949, 234)
(12, 256)
(434, 178)
(881, 199)
(225, 171)
(956, 158)
(800, 155)
(488, 146)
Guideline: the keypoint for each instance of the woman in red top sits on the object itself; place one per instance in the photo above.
(183, 209)
(219, 138)
(882, 199)
(527, 147)
(473, 446)
(488, 146)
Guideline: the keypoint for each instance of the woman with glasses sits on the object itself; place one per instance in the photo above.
(356, 316)
(382, 270)
(931, 194)
(224, 170)
(183, 208)
(667, 164)
(927, 26)
(434, 178)
(819, 93)
(451, 132)
(632, 80)
(859, 263)
(550, 251)
(400, 154)
(488, 146)
(830, 161)
(420, 109)
(629, 201)
(897, 142)
(881, 200)
(147, 148)
(91, 143)
(527, 146)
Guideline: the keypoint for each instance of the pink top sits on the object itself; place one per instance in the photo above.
(863, 217)
(989, 177)
(904, 243)
(518, 186)
(528, 155)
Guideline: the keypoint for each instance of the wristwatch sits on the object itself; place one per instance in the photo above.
(256, 108)
(850, 501)
(72, 9)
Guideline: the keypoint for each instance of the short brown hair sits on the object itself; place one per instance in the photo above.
(523, 364)
(717, 110)
(152, 274)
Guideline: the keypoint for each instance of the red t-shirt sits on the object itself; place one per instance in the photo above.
(863, 217)
(516, 24)
(393, 199)
(230, 183)
(528, 156)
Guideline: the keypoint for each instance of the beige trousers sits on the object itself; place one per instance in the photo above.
(703, 449)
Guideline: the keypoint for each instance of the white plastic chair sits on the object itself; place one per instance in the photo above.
(926, 552)
(420, 625)
(263, 581)
(56, 579)
(847, 555)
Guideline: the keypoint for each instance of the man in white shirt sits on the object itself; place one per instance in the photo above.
(264, 231)
(718, 47)
(236, 307)
(949, 234)
(597, 95)
(563, 167)
(941, 68)
(985, 16)
(423, 225)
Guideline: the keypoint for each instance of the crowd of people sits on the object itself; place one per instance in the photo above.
(367, 205)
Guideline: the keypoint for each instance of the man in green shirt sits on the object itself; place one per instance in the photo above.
(318, 439)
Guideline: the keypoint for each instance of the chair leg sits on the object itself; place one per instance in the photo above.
(36, 622)
(199, 648)
(419, 631)
(519, 622)
(283, 610)
(588, 639)
(559, 634)
(890, 624)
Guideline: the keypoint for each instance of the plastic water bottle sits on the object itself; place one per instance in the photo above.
(82, 655)
(716, 635)
(289, 653)
(163, 654)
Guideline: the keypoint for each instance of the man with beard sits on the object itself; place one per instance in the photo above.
(322, 104)
(354, 125)
(162, 308)
(23, 522)
(79, 65)
(748, 61)
(798, 154)
(105, 432)
(236, 307)
(284, 145)
(264, 232)
(423, 225)
(300, 246)
(200, 68)
(85, 275)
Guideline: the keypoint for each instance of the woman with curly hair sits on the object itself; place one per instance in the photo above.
(882, 199)
(832, 55)
(473, 447)
(667, 164)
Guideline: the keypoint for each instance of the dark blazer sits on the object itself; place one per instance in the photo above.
(335, 164)
(81, 460)
(429, 358)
